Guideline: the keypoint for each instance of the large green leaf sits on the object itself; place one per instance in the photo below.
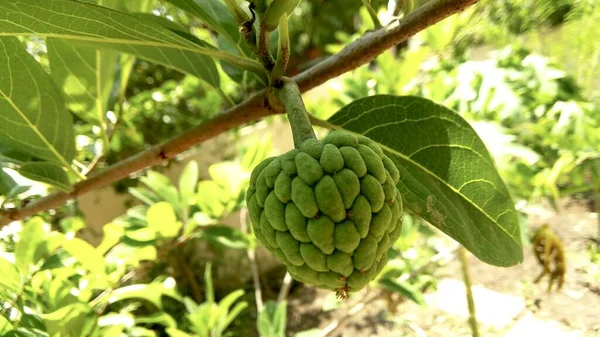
(46, 172)
(31, 239)
(5, 325)
(85, 75)
(33, 119)
(447, 176)
(215, 14)
(111, 235)
(101, 27)
(10, 280)
(20, 333)
(90, 258)
(227, 236)
(187, 182)
(9, 154)
(162, 219)
(403, 288)
(76, 319)
(152, 292)
(161, 318)
(7, 183)
(176, 333)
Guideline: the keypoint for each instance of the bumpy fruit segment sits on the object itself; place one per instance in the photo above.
(329, 210)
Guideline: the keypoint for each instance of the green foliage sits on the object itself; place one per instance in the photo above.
(519, 16)
(70, 288)
(36, 121)
(210, 319)
(85, 93)
(272, 319)
(430, 184)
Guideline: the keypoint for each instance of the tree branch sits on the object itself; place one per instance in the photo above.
(360, 52)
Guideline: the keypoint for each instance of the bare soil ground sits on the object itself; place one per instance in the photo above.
(576, 308)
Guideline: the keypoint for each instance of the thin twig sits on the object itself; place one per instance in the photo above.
(92, 164)
(4, 213)
(352, 56)
(464, 263)
(263, 49)
(12, 302)
(252, 258)
(285, 287)
(189, 275)
(372, 13)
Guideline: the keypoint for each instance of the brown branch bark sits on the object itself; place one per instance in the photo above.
(362, 51)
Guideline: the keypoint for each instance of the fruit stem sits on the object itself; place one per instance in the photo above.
(288, 93)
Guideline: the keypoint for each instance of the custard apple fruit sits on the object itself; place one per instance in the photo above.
(329, 210)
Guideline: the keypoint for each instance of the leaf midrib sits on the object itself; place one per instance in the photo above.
(99, 99)
(408, 159)
(36, 130)
(216, 53)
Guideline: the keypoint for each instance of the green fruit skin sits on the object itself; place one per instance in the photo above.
(373, 191)
(353, 160)
(373, 161)
(392, 169)
(312, 147)
(329, 199)
(272, 171)
(320, 231)
(346, 237)
(303, 196)
(364, 256)
(314, 257)
(329, 210)
(349, 186)
(258, 169)
(267, 231)
(305, 274)
(262, 190)
(290, 247)
(331, 160)
(309, 168)
(389, 189)
(288, 162)
(283, 187)
(361, 215)
(340, 138)
(381, 222)
(332, 279)
(296, 223)
(340, 262)
(274, 210)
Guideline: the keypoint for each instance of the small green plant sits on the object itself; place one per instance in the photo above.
(272, 319)
(211, 318)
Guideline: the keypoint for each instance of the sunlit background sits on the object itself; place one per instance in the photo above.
(524, 73)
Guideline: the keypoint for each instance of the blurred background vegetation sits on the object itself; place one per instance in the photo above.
(524, 73)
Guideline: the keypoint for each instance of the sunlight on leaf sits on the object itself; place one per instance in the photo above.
(117, 31)
(30, 239)
(34, 119)
(161, 218)
(86, 254)
(447, 176)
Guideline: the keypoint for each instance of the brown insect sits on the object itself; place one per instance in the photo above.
(550, 253)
